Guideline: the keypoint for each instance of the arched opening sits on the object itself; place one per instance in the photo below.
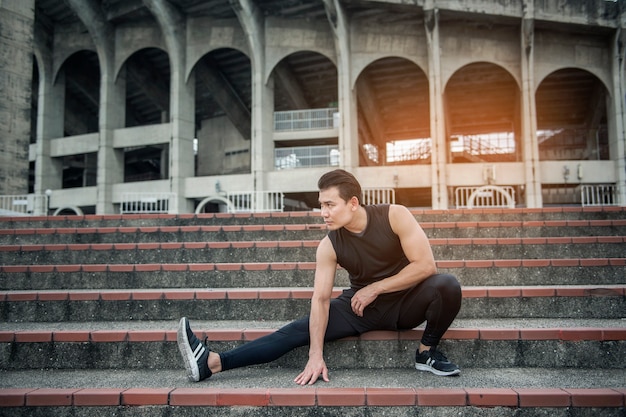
(305, 109)
(223, 113)
(82, 93)
(572, 128)
(571, 117)
(147, 102)
(482, 115)
(147, 73)
(393, 113)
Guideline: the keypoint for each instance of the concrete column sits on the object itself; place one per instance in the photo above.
(16, 60)
(182, 94)
(530, 145)
(48, 170)
(262, 114)
(348, 122)
(617, 113)
(112, 102)
(112, 112)
(437, 114)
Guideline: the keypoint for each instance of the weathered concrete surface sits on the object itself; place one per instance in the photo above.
(17, 20)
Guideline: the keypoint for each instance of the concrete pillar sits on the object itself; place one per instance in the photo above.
(50, 109)
(530, 145)
(617, 113)
(182, 94)
(262, 136)
(112, 102)
(16, 60)
(437, 114)
(112, 111)
(348, 122)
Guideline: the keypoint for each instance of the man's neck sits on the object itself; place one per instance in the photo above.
(359, 221)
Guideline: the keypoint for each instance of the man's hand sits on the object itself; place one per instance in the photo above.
(314, 368)
(362, 298)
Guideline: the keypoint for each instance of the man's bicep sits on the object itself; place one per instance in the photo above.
(325, 268)
(414, 241)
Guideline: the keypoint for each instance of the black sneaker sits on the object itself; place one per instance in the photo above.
(434, 361)
(194, 352)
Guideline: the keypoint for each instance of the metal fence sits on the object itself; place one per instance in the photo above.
(598, 195)
(379, 196)
(256, 201)
(310, 119)
(306, 157)
(24, 205)
(488, 196)
(133, 203)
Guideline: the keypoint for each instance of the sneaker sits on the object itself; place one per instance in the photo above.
(434, 361)
(194, 352)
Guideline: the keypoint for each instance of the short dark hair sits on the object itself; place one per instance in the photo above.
(346, 183)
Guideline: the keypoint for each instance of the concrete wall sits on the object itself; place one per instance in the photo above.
(221, 148)
(222, 155)
(17, 19)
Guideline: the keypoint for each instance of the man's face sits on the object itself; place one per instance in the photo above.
(335, 211)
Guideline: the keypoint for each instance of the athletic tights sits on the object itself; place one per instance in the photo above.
(436, 300)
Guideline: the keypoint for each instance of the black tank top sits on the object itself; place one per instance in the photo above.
(373, 254)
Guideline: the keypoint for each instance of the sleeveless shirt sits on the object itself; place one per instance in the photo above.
(373, 254)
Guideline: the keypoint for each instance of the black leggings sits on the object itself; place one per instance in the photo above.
(436, 300)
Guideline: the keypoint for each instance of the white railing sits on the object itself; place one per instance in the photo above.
(488, 196)
(133, 203)
(310, 119)
(23, 205)
(256, 201)
(306, 157)
(379, 196)
(598, 195)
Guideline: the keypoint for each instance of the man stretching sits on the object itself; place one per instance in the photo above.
(394, 285)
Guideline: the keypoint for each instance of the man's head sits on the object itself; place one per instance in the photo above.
(346, 184)
(340, 196)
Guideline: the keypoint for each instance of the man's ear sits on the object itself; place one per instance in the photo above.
(354, 202)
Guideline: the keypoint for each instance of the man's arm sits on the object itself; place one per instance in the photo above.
(417, 249)
(325, 269)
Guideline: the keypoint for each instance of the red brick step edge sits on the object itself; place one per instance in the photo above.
(311, 396)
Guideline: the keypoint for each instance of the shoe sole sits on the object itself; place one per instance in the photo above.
(423, 367)
(193, 372)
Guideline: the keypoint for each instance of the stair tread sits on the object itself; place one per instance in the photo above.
(267, 378)
(238, 325)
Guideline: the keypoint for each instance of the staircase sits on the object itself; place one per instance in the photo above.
(90, 307)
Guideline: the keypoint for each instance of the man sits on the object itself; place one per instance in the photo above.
(394, 285)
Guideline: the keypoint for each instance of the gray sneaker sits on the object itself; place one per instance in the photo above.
(194, 352)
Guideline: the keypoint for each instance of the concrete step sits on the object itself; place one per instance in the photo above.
(422, 215)
(287, 303)
(555, 343)
(262, 232)
(303, 251)
(598, 271)
(271, 392)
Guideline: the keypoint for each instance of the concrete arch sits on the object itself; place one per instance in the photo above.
(199, 52)
(70, 53)
(192, 65)
(511, 71)
(122, 58)
(75, 209)
(540, 79)
(271, 66)
(361, 65)
(227, 202)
